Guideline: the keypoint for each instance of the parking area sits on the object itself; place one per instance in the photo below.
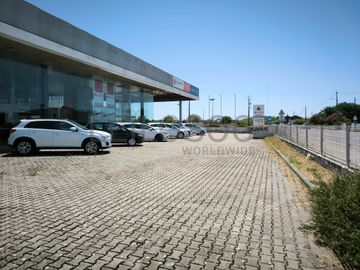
(209, 202)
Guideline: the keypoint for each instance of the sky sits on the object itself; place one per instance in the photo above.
(285, 54)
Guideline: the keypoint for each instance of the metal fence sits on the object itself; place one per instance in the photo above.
(339, 143)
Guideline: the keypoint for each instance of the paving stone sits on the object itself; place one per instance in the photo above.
(157, 206)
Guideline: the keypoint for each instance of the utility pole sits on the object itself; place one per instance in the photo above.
(337, 98)
(249, 103)
(234, 107)
(305, 114)
(212, 106)
(355, 100)
(221, 105)
(209, 107)
(267, 99)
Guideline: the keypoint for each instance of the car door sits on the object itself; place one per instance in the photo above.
(119, 133)
(64, 137)
(172, 130)
(42, 133)
(143, 131)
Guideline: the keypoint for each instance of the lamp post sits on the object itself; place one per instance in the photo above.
(212, 108)
(355, 121)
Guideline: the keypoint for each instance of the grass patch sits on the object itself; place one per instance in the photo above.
(336, 216)
(314, 172)
(292, 160)
(310, 168)
(34, 170)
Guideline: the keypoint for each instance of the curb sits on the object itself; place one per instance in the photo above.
(303, 178)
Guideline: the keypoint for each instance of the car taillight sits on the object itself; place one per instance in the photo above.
(12, 130)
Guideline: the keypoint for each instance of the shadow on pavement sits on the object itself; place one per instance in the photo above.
(125, 145)
(56, 153)
(5, 149)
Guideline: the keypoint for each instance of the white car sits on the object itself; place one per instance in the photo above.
(196, 129)
(34, 134)
(173, 131)
(187, 131)
(150, 134)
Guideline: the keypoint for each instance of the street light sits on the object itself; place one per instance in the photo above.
(212, 108)
(355, 120)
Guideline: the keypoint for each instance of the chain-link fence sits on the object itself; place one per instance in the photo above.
(339, 143)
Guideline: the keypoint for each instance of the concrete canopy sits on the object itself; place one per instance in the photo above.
(25, 29)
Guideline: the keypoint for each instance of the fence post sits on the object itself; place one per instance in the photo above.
(290, 139)
(306, 137)
(347, 140)
(297, 134)
(321, 140)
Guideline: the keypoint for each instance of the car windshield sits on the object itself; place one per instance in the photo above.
(78, 125)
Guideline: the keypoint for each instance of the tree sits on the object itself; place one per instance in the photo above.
(335, 115)
(299, 121)
(337, 118)
(226, 120)
(318, 119)
(243, 123)
(347, 109)
(194, 118)
(169, 119)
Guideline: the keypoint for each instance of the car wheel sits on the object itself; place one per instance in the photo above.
(92, 147)
(180, 135)
(131, 141)
(159, 138)
(25, 147)
(202, 133)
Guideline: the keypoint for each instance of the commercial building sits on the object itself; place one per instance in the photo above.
(50, 68)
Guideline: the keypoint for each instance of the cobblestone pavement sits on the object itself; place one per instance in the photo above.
(174, 205)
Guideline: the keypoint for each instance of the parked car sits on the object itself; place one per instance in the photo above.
(187, 131)
(196, 129)
(119, 133)
(34, 134)
(149, 133)
(173, 131)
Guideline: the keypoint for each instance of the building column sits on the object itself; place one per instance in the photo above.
(11, 116)
(180, 111)
(142, 110)
(43, 88)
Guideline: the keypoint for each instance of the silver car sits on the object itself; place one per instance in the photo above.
(149, 133)
(187, 131)
(173, 131)
(196, 129)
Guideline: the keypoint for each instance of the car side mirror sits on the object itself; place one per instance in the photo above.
(74, 129)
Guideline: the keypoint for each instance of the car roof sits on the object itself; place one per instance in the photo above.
(105, 122)
(131, 123)
(25, 121)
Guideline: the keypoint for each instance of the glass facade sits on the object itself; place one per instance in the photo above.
(31, 89)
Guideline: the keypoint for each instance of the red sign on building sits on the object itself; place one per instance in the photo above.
(99, 86)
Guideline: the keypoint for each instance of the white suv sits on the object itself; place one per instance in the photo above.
(33, 134)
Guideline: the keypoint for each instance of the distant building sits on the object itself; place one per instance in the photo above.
(50, 68)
